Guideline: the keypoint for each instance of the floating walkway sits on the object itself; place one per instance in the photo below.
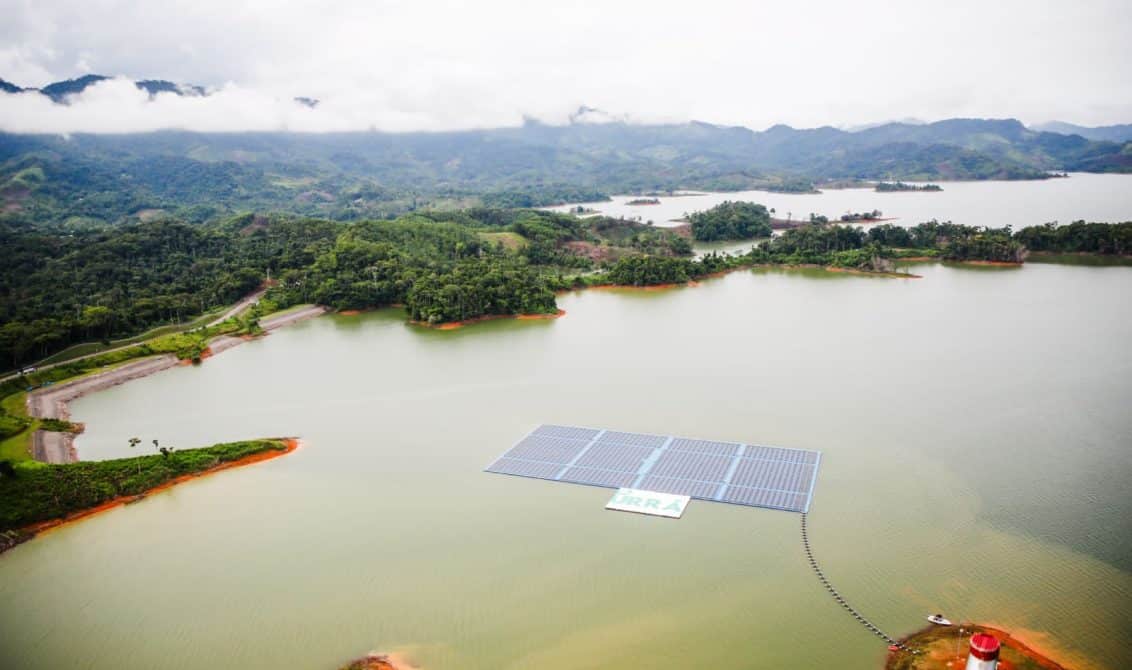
(837, 596)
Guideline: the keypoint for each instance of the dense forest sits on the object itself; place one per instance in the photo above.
(1079, 237)
(57, 289)
(899, 187)
(731, 221)
(84, 181)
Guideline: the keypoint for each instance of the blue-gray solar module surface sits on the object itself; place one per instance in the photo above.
(727, 472)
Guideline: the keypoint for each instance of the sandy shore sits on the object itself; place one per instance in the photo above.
(52, 402)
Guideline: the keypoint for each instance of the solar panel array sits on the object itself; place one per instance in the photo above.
(728, 472)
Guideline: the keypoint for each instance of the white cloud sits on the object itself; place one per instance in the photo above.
(444, 64)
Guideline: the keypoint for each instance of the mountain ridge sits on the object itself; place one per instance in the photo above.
(97, 179)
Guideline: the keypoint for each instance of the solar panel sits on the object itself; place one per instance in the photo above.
(727, 472)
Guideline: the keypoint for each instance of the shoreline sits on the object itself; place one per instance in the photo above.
(453, 325)
(1007, 640)
(757, 266)
(53, 402)
(28, 532)
(996, 264)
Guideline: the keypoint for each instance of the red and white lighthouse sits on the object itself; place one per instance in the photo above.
(984, 652)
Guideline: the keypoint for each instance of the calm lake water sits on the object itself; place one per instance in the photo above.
(977, 451)
(1105, 198)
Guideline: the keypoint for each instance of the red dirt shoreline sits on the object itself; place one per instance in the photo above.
(1008, 641)
(43, 526)
(453, 325)
(997, 264)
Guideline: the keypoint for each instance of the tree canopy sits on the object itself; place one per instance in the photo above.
(731, 221)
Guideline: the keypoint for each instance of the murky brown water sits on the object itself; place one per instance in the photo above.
(977, 448)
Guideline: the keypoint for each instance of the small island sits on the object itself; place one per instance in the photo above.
(730, 221)
(583, 210)
(901, 187)
(643, 201)
(854, 217)
(946, 648)
(375, 661)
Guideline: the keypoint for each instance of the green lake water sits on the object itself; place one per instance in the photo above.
(977, 449)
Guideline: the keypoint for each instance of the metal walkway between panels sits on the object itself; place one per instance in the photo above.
(727, 472)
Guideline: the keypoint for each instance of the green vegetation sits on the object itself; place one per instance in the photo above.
(1113, 239)
(64, 288)
(861, 216)
(59, 426)
(34, 493)
(14, 442)
(15, 424)
(86, 181)
(791, 185)
(952, 241)
(899, 186)
(444, 265)
(837, 246)
(731, 221)
(650, 270)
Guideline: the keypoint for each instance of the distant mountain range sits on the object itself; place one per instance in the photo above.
(58, 91)
(97, 179)
(1118, 133)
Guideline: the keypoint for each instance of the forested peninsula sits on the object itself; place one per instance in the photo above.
(35, 497)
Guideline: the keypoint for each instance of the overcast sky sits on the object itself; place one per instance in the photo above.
(423, 64)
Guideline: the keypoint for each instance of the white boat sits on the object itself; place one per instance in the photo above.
(938, 620)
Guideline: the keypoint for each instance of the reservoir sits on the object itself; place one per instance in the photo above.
(1104, 198)
(976, 451)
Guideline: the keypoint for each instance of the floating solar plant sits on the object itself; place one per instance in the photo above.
(727, 472)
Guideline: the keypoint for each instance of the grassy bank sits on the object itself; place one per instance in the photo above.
(88, 348)
(16, 427)
(32, 494)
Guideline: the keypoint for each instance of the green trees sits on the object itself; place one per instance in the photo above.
(1079, 237)
(58, 289)
(118, 282)
(53, 491)
(439, 270)
(899, 186)
(472, 288)
(731, 221)
(650, 270)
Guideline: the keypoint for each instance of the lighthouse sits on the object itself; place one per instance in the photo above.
(984, 652)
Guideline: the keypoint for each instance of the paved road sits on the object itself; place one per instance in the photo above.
(244, 303)
(51, 402)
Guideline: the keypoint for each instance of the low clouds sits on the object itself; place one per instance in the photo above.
(429, 65)
(118, 106)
